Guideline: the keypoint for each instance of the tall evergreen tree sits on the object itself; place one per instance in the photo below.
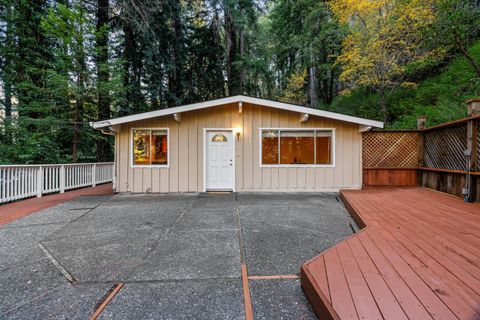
(104, 149)
(6, 67)
(307, 37)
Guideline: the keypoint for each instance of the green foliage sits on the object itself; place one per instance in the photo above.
(385, 38)
(66, 63)
(30, 136)
(294, 92)
(205, 55)
(441, 98)
(307, 37)
(456, 28)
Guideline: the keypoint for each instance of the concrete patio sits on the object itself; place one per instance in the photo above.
(178, 256)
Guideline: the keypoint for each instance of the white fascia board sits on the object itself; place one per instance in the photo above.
(165, 112)
(315, 112)
(236, 99)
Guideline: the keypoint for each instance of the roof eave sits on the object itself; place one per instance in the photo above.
(234, 99)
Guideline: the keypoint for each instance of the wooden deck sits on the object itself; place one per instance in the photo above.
(417, 257)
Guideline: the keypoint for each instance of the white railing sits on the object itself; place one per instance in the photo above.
(24, 181)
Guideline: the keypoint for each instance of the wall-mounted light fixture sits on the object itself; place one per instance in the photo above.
(238, 132)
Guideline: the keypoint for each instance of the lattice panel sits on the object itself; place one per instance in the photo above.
(390, 149)
(444, 148)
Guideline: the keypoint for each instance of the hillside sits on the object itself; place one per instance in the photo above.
(440, 97)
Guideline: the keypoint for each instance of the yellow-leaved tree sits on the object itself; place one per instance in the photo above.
(386, 36)
(295, 90)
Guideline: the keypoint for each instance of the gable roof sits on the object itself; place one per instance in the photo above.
(236, 99)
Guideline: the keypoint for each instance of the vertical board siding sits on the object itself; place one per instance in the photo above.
(247, 148)
(185, 173)
(192, 152)
(266, 172)
(183, 147)
(257, 171)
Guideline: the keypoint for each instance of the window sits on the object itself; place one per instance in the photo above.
(287, 147)
(297, 147)
(219, 138)
(270, 147)
(150, 147)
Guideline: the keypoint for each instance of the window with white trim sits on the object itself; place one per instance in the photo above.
(150, 147)
(284, 147)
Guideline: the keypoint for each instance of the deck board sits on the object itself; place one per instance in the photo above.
(406, 298)
(361, 295)
(319, 269)
(444, 239)
(341, 298)
(384, 298)
(418, 257)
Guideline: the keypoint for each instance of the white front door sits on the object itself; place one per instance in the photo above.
(220, 167)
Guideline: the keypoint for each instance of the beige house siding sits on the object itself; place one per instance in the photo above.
(186, 170)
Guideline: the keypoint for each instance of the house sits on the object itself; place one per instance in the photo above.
(238, 143)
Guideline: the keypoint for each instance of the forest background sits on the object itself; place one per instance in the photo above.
(64, 63)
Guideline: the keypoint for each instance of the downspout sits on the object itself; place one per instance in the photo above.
(467, 190)
(114, 132)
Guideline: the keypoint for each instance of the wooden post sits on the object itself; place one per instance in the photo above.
(472, 138)
(473, 107)
(94, 169)
(62, 179)
(39, 181)
(421, 122)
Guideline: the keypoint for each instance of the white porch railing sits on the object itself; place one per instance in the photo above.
(24, 181)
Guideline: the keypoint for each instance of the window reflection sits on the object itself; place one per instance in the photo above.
(270, 147)
(159, 147)
(141, 147)
(323, 152)
(296, 147)
(150, 147)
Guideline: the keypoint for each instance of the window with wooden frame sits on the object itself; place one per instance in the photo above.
(297, 147)
(150, 147)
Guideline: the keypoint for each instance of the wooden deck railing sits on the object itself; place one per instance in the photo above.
(444, 157)
(450, 158)
(24, 181)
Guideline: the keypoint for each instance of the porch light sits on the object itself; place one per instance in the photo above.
(238, 132)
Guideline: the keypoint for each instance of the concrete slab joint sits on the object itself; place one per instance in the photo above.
(131, 256)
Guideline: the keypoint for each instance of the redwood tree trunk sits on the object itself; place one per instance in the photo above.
(81, 73)
(230, 48)
(7, 78)
(103, 104)
(312, 92)
(383, 105)
(175, 76)
(132, 69)
(242, 75)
